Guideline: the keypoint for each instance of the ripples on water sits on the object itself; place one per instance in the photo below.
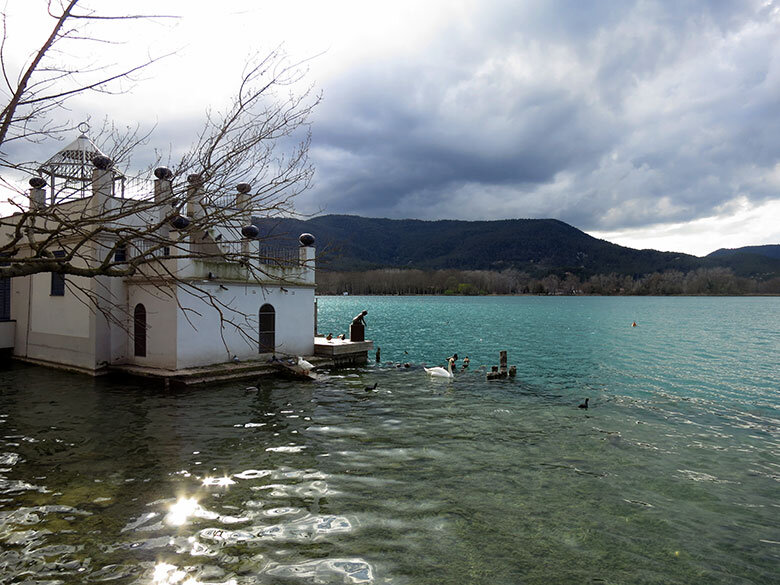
(671, 477)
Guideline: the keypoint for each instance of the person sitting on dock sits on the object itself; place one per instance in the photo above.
(357, 329)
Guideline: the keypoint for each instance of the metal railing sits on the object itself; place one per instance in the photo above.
(139, 248)
(279, 256)
(136, 188)
(229, 251)
(223, 202)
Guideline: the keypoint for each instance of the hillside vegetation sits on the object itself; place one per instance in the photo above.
(768, 250)
(471, 257)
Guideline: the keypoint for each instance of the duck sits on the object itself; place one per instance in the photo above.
(305, 366)
(370, 388)
(440, 372)
(584, 404)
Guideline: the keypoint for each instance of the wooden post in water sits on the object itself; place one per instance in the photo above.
(500, 371)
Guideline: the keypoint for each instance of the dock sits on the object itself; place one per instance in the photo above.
(342, 352)
(334, 353)
(245, 370)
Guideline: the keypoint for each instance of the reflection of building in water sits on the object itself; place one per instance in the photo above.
(153, 318)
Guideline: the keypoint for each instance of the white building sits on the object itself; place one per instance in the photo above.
(194, 305)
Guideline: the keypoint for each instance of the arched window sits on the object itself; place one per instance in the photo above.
(58, 280)
(139, 330)
(5, 299)
(267, 340)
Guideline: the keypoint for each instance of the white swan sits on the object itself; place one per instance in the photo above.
(441, 372)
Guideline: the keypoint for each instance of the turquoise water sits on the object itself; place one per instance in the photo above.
(671, 476)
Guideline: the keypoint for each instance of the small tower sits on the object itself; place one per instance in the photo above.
(69, 173)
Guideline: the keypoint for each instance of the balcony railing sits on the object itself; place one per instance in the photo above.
(229, 251)
(139, 248)
(277, 255)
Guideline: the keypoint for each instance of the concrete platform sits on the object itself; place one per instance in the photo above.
(342, 352)
(328, 353)
(244, 370)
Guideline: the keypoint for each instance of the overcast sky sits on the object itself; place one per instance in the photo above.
(650, 124)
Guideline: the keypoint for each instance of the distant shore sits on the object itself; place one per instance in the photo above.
(703, 295)
(717, 281)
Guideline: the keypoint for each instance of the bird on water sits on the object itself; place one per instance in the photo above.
(440, 372)
(305, 366)
(584, 404)
(370, 388)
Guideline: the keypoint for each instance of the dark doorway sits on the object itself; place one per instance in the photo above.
(267, 329)
(139, 330)
(5, 299)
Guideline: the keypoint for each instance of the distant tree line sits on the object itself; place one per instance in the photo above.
(394, 281)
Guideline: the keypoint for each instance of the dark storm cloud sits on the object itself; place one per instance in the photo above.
(402, 142)
(601, 114)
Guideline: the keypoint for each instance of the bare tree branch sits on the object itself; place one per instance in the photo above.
(249, 159)
(25, 115)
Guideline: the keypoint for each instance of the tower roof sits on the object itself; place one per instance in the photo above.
(74, 162)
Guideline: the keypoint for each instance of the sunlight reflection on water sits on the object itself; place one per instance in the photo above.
(179, 512)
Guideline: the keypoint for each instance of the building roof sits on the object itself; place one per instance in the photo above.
(74, 162)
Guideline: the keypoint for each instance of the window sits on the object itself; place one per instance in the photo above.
(139, 330)
(58, 280)
(267, 340)
(120, 254)
(5, 299)
(5, 292)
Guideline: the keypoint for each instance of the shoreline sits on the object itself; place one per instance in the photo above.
(681, 295)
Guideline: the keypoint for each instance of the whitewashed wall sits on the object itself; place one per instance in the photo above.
(55, 329)
(200, 342)
(118, 344)
(58, 315)
(161, 334)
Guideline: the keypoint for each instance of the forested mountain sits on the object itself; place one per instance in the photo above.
(768, 250)
(536, 246)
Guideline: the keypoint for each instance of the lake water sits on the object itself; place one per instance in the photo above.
(671, 476)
